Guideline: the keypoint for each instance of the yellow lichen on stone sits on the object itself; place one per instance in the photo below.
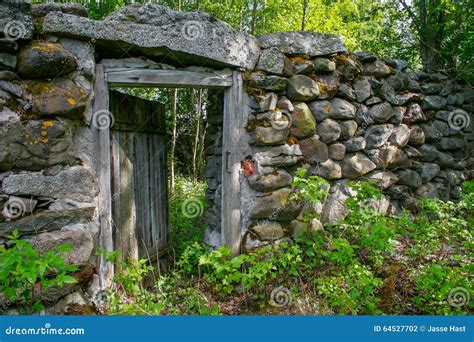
(71, 101)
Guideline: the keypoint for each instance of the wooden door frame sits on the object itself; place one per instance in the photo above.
(232, 84)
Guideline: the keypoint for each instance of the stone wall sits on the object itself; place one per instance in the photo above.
(343, 117)
(311, 103)
(48, 186)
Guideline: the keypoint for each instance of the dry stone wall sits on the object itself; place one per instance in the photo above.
(343, 117)
(48, 186)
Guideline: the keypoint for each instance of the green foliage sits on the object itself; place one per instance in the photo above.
(23, 267)
(186, 229)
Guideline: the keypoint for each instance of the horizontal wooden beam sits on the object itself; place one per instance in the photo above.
(167, 79)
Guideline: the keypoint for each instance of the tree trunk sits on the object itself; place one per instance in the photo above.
(305, 12)
(173, 138)
(254, 17)
(197, 135)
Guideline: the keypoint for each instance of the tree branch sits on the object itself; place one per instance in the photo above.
(409, 10)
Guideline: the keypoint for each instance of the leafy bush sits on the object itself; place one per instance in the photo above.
(22, 267)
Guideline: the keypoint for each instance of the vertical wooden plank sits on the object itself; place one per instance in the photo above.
(102, 141)
(232, 130)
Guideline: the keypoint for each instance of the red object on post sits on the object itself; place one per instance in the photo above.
(248, 166)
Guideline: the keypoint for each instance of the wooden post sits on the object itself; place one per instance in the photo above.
(101, 136)
(233, 116)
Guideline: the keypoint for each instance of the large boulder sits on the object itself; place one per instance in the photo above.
(329, 170)
(186, 37)
(284, 155)
(377, 135)
(308, 43)
(337, 108)
(335, 208)
(268, 231)
(43, 59)
(40, 10)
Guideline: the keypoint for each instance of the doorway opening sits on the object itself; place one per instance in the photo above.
(222, 154)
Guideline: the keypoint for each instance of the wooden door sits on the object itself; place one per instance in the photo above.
(139, 176)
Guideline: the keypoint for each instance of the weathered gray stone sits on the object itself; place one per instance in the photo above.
(428, 191)
(411, 152)
(269, 136)
(314, 150)
(348, 68)
(273, 61)
(414, 114)
(81, 240)
(324, 65)
(270, 182)
(381, 179)
(284, 155)
(59, 97)
(431, 88)
(373, 101)
(348, 129)
(12, 88)
(337, 151)
(381, 113)
(40, 10)
(433, 102)
(304, 67)
(276, 205)
(328, 169)
(300, 228)
(377, 135)
(455, 177)
(409, 178)
(335, 207)
(365, 57)
(362, 88)
(16, 21)
(328, 85)
(194, 37)
(339, 109)
(47, 221)
(43, 59)
(285, 105)
(264, 102)
(399, 81)
(428, 153)
(7, 75)
(442, 127)
(346, 92)
(378, 69)
(400, 135)
(429, 171)
(34, 144)
(76, 183)
(268, 232)
(272, 82)
(417, 136)
(302, 88)
(448, 144)
(398, 115)
(432, 134)
(392, 157)
(7, 61)
(328, 131)
(303, 123)
(355, 144)
(355, 165)
(308, 43)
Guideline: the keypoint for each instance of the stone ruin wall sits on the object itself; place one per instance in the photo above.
(343, 116)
